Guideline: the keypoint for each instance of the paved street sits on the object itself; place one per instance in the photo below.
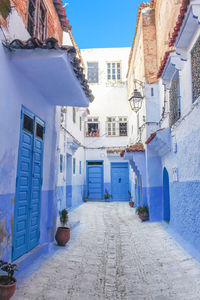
(112, 255)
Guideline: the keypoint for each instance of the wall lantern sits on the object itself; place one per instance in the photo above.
(136, 99)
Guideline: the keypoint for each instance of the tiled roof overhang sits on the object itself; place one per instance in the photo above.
(62, 15)
(138, 147)
(55, 70)
(160, 141)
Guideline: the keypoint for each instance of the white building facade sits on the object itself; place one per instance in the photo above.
(107, 126)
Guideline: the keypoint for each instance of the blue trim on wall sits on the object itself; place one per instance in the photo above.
(156, 204)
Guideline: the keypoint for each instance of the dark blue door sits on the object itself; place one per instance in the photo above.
(166, 196)
(95, 180)
(26, 229)
(119, 181)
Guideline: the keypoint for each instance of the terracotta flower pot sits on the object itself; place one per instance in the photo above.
(131, 203)
(7, 291)
(85, 199)
(143, 217)
(62, 235)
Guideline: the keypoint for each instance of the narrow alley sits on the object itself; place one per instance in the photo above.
(113, 255)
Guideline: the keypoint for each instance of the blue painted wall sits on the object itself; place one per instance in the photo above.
(16, 90)
(185, 210)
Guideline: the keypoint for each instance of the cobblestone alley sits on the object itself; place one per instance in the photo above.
(112, 255)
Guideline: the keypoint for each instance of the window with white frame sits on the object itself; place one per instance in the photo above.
(92, 72)
(92, 127)
(117, 126)
(113, 71)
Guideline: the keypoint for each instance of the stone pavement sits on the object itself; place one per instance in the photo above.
(112, 255)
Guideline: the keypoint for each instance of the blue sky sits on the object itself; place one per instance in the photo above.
(101, 24)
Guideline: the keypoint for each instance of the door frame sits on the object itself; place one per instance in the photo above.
(87, 178)
(37, 119)
(118, 163)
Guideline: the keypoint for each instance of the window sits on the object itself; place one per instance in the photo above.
(113, 71)
(92, 127)
(37, 19)
(61, 163)
(174, 99)
(28, 124)
(80, 123)
(74, 114)
(195, 57)
(80, 167)
(74, 165)
(39, 131)
(92, 72)
(117, 126)
(152, 92)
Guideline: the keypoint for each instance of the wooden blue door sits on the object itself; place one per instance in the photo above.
(26, 230)
(95, 180)
(119, 181)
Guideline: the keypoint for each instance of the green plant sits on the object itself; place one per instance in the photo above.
(9, 269)
(88, 194)
(5, 8)
(130, 197)
(107, 195)
(63, 217)
(142, 210)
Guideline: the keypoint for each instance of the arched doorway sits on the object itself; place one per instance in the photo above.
(166, 196)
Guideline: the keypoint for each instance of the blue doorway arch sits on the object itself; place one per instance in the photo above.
(166, 196)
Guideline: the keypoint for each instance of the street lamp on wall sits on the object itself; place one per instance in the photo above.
(136, 99)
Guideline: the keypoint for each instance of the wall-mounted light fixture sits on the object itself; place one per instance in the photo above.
(137, 97)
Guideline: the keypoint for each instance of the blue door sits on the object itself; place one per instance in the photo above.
(166, 196)
(95, 180)
(26, 231)
(119, 181)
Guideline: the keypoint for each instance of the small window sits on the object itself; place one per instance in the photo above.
(92, 127)
(28, 124)
(117, 126)
(80, 123)
(92, 163)
(61, 163)
(39, 131)
(113, 71)
(123, 129)
(80, 167)
(37, 19)
(92, 72)
(195, 58)
(174, 101)
(74, 115)
(152, 92)
(74, 165)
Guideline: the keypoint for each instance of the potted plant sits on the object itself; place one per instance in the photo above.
(131, 203)
(107, 196)
(63, 232)
(143, 212)
(7, 282)
(85, 199)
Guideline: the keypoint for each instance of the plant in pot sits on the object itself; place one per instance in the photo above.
(143, 212)
(85, 199)
(131, 203)
(107, 196)
(7, 282)
(63, 232)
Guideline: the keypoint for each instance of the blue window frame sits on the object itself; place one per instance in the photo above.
(74, 115)
(74, 165)
(80, 167)
(61, 163)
